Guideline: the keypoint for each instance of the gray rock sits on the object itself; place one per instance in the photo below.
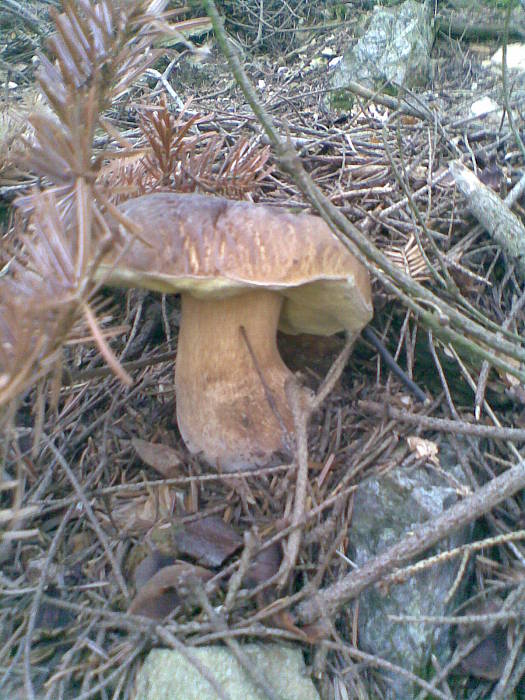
(167, 675)
(385, 509)
(395, 49)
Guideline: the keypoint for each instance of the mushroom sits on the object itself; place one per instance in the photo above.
(242, 270)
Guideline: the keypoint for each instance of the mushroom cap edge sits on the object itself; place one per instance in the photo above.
(212, 247)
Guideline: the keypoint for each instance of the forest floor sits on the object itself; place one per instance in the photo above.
(103, 487)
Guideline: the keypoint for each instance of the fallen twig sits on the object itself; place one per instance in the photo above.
(303, 405)
(37, 598)
(377, 662)
(457, 427)
(502, 224)
(402, 575)
(301, 411)
(92, 518)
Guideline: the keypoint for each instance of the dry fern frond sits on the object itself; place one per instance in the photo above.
(410, 260)
(97, 50)
(196, 167)
(21, 344)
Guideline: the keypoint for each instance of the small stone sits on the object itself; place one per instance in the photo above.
(483, 106)
(515, 57)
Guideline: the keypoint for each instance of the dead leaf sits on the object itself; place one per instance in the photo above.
(162, 458)
(317, 631)
(210, 540)
(424, 448)
(488, 659)
(50, 617)
(168, 588)
(285, 621)
(137, 514)
(265, 564)
(149, 566)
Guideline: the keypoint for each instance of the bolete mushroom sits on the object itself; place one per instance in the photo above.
(242, 270)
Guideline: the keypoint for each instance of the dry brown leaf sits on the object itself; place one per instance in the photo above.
(210, 540)
(149, 566)
(162, 458)
(168, 588)
(265, 564)
(487, 660)
(52, 618)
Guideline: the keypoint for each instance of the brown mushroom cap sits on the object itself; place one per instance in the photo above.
(212, 247)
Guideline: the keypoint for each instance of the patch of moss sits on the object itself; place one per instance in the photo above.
(341, 100)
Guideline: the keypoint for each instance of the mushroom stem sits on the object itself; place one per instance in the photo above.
(229, 380)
